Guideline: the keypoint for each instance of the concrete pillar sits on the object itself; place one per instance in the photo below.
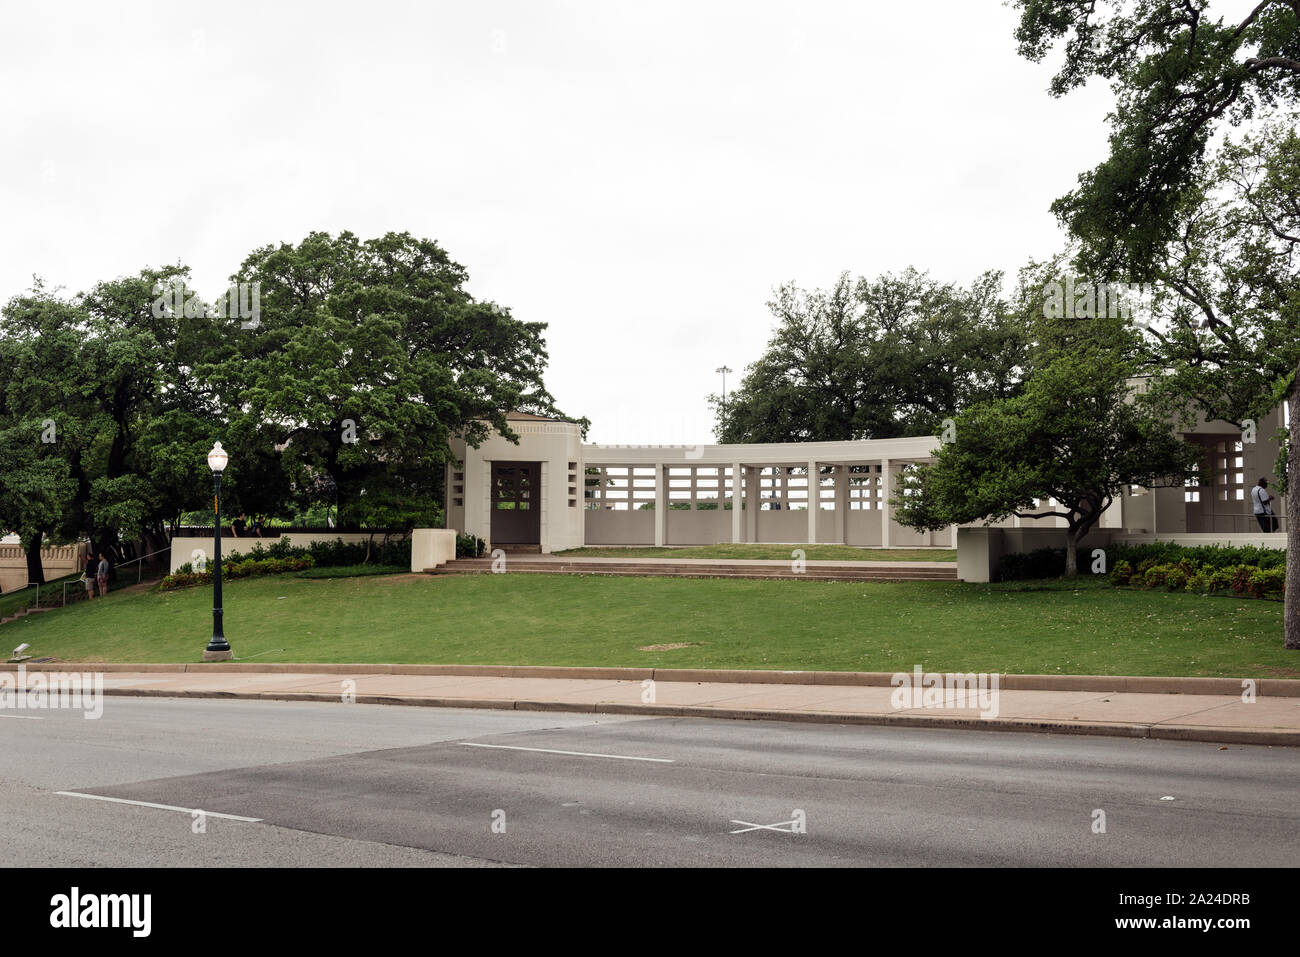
(737, 500)
(814, 501)
(751, 503)
(1152, 492)
(661, 505)
(842, 504)
(886, 492)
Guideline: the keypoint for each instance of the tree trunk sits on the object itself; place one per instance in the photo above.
(1071, 554)
(1291, 620)
(35, 570)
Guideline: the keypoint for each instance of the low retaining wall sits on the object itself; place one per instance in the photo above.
(978, 549)
(431, 547)
(56, 560)
(187, 549)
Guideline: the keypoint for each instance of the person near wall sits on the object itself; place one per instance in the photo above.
(1263, 506)
(91, 571)
(101, 574)
(238, 525)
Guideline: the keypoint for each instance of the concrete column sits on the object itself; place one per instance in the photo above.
(737, 499)
(954, 536)
(842, 503)
(751, 503)
(1152, 493)
(886, 492)
(814, 501)
(661, 505)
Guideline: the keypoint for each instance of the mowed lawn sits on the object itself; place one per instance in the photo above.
(838, 553)
(585, 620)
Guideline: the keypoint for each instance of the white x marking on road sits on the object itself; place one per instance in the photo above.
(779, 827)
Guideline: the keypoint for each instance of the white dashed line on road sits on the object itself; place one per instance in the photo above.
(579, 754)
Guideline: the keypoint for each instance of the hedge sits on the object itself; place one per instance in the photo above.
(282, 557)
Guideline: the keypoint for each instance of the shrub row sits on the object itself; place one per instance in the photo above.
(281, 557)
(1050, 562)
(469, 546)
(1216, 556)
(1040, 563)
(1245, 581)
(236, 568)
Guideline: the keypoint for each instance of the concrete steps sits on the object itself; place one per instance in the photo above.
(21, 613)
(911, 571)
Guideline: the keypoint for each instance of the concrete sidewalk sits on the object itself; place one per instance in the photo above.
(1189, 709)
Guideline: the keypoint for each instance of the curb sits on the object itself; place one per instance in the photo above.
(1149, 684)
(950, 722)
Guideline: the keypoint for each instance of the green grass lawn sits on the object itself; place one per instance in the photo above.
(1048, 628)
(838, 553)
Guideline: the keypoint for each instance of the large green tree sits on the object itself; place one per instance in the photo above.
(367, 357)
(120, 422)
(1178, 70)
(875, 358)
(1066, 447)
(1179, 73)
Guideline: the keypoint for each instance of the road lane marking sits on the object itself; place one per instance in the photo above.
(161, 807)
(25, 717)
(779, 827)
(580, 754)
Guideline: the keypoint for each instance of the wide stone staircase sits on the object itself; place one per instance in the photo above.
(702, 568)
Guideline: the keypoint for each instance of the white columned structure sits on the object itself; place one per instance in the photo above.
(737, 512)
(814, 500)
(752, 503)
(886, 492)
(661, 504)
(842, 504)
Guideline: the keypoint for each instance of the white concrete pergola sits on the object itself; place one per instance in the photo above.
(744, 464)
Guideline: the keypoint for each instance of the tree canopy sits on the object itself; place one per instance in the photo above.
(875, 358)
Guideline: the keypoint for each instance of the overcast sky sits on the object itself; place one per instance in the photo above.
(638, 176)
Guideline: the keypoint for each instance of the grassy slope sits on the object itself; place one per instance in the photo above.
(571, 620)
(813, 552)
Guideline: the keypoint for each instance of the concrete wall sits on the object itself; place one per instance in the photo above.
(431, 547)
(631, 527)
(555, 445)
(56, 560)
(190, 549)
(978, 549)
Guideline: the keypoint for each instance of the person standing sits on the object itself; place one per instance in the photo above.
(238, 525)
(101, 574)
(90, 572)
(1263, 506)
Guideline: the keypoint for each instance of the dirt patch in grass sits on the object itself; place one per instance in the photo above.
(670, 647)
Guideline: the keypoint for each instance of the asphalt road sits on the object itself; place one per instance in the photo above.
(335, 784)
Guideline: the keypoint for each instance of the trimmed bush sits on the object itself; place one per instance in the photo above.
(469, 546)
(1217, 556)
(1122, 573)
(185, 576)
(1040, 563)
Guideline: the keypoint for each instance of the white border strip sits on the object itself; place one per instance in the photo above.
(161, 807)
(579, 754)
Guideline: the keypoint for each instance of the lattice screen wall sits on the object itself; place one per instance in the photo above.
(781, 488)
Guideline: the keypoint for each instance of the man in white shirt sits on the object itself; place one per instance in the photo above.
(1263, 506)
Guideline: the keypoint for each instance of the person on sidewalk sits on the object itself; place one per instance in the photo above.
(101, 574)
(238, 526)
(1263, 506)
(88, 576)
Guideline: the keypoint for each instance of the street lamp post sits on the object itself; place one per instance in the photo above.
(724, 370)
(218, 648)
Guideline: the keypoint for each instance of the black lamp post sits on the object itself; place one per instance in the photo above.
(218, 648)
